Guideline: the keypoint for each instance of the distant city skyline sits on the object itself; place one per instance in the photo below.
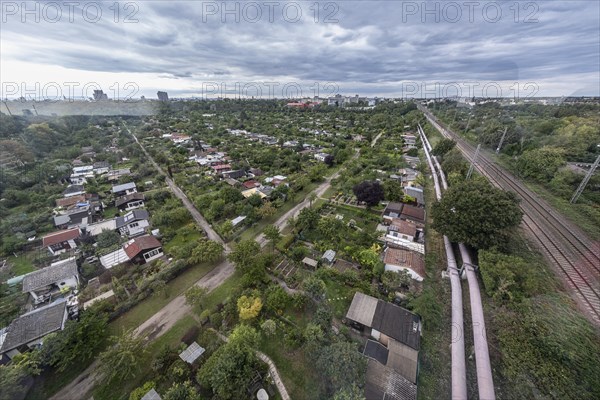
(544, 48)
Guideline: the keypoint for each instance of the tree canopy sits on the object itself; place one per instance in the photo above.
(443, 146)
(477, 214)
(369, 192)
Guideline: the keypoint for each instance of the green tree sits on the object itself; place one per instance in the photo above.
(159, 287)
(316, 173)
(307, 219)
(393, 191)
(475, 213)
(226, 229)
(443, 147)
(11, 381)
(244, 254)
(266, 210)
(272, 233)
(108, 238)
(230, 369)
(269, 327)
(540, 164)
(196, 296)
(277, 299)
(315, 288)
(78, 341)
(342, 374)
(206, 251)
(393, 280)
(121, 361)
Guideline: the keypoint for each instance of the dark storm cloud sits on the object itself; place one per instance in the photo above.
(373, 44)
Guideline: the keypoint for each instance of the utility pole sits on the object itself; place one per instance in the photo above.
(585, 181)
(473, 161)
(501, 141)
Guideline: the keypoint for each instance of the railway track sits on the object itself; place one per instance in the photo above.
(575, 257)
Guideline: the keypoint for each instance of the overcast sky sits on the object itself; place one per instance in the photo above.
(275, 49)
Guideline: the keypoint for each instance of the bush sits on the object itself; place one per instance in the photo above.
(216, 319)
(164, 357)
(204, 316)
(139, 392)
(179, 371)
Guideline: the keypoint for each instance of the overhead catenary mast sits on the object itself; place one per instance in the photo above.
(501, 141)
(585, 181)
(473, 161)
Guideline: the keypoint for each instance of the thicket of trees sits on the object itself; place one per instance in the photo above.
(477, 214)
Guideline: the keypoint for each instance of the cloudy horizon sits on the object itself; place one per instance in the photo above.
(298, 49)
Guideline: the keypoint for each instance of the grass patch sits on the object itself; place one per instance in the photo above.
(300, 378)
(182, 236)
(435, 358)
(145, 309)
(339, 297)
(21, 265)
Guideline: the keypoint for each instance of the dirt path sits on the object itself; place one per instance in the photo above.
(165, 318)
(198, 217)
(319, 191)
(152, 328)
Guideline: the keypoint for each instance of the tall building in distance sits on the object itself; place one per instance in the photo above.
(163, 96)
(100, 95)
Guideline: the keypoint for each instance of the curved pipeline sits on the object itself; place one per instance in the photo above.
(459, 377)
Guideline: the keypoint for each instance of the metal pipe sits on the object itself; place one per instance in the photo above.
(485, 381)
(458, 373)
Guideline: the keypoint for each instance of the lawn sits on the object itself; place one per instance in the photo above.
(339, 297)
(435, 358)
(182, 236)
(20, 265)
(300, 378)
